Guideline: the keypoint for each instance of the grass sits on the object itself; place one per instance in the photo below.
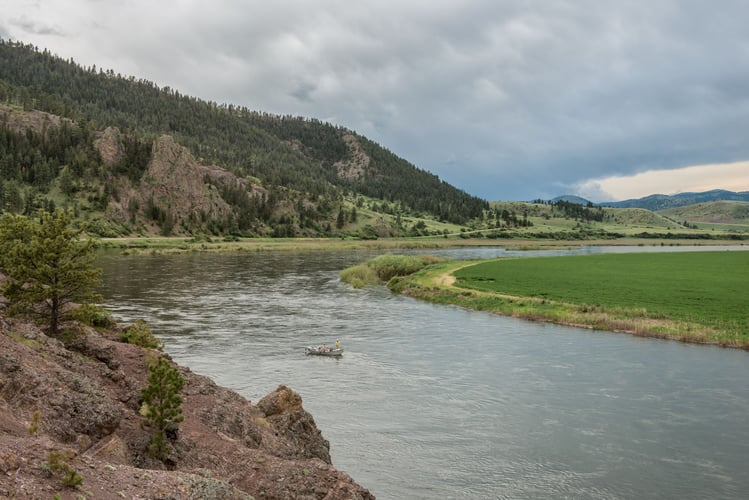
(176, 245)
(707, 288)
(693, 296)
(385, 267)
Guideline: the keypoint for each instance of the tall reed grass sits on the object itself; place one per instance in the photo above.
(383, 268)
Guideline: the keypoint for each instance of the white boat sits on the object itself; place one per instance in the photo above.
(321, 350)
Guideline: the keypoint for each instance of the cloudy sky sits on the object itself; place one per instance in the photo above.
(506, 99)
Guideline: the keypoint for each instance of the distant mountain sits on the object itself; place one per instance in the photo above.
(657, 202)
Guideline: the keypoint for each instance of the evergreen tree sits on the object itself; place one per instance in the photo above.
(47, 264)
(284, 155)
(162, 404)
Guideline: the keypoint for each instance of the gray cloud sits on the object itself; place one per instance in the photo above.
(508, 100)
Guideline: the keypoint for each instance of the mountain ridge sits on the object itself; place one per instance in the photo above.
(316, 168)
(656, 202)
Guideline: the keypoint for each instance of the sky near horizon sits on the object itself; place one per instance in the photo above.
(507, 100)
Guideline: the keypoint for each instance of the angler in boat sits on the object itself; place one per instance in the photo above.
(325, 350)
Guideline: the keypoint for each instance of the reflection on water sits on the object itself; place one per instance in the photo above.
(440, 402)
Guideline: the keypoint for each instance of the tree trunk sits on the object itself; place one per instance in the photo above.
(54, 316)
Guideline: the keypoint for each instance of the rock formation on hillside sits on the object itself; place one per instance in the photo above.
(80, 400)
(175, 182)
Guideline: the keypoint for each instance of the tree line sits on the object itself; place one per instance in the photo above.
(296, 153)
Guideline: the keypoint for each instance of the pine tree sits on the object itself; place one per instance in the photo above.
(47, 264)
(161, 404)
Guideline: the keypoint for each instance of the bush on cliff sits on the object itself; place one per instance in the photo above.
(140, 334)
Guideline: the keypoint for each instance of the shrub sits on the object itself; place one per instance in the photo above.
(385, 267)
(58, 466)
(140, 334)
(92, 315)
(360, 276)
(34, 426)
(388, 266)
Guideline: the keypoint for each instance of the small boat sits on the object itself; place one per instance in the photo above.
(320, 350)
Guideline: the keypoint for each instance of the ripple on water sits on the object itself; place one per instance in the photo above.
(439, 402)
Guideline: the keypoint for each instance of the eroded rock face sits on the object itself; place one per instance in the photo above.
(83, 400)
(283, 410)
(70, 403)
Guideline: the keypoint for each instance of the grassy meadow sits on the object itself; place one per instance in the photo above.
(695, 286)
(689, 296)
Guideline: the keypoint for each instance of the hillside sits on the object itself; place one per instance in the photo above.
(572, 221)
(657, 202)
(723, 215)
(276, 175)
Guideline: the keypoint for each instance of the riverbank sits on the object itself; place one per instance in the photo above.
(177, 245)
(71, 427)
(437, 284)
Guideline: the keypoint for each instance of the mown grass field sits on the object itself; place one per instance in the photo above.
(705, 288)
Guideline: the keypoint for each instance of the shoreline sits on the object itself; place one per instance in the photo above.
(436, 284)
(180, 245)
(86, 406)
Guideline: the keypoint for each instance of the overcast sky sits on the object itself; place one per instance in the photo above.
(506, 99)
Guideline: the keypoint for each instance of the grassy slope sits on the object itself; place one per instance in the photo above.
(626, 221)
(717, 215)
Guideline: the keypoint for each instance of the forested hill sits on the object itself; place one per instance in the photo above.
(295, 172)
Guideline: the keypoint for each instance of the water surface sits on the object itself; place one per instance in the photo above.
(441, 402)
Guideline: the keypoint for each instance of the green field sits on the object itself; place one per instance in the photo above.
(706, 288)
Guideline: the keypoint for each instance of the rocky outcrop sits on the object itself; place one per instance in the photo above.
(82, 399)
(283, 410)
(175, 185)
(355, 165)
(109, 145)
(38, 121)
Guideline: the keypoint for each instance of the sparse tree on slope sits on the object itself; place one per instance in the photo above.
(162, 404)
(47, 265)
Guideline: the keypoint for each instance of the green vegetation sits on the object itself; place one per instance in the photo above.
(58, 466)
(47, 265)
(563, 220)
(693, 296)
(34, 425)
(84, 139)
(385, 267)
(722, 216)
(298, 171)
(692, 286)
(92, 315)
(140, 334)
(162, 405)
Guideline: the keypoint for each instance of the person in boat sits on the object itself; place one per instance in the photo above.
(324, 348)
(337, 344)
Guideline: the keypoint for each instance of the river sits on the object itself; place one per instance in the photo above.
(440, 402)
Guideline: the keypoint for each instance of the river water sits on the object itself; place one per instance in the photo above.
(440, 402)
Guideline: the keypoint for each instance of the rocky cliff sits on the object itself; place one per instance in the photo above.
(76, 401)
